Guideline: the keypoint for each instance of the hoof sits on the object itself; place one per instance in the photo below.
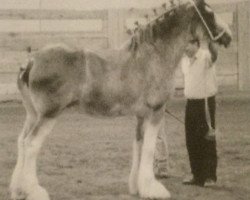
(35, 193)
(132, 185)
(18, 194)
(38, 193)
(133, 190)
(153, 189)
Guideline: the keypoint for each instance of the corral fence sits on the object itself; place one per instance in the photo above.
(102, 29)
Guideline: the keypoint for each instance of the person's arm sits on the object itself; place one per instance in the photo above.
(213, 51)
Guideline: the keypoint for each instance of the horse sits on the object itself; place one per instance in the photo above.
(133, 80)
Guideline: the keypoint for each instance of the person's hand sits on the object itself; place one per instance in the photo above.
(213, 51)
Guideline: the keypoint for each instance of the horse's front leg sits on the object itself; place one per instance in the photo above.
(148, 186)
(137, 145)
(25, 184)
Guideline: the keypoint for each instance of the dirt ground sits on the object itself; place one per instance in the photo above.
(85, 158)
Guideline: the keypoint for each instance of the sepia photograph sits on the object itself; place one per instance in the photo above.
(124, 99)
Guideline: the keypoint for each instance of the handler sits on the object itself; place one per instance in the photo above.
(200, 87)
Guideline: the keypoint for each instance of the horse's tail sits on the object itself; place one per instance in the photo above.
(23, 81)
(23, 75)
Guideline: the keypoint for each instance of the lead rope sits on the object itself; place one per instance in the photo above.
(208, 118)
(173, 116)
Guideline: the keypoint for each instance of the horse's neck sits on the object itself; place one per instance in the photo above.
(174, 49)
(170, 51)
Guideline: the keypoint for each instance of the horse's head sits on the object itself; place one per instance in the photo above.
(209, 22)
(194, 16)
(188, 19)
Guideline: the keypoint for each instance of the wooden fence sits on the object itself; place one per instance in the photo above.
(110, 32)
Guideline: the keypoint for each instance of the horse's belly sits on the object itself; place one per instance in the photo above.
(104, 109)
(107, 105)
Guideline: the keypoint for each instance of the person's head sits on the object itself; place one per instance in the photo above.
(192, 47)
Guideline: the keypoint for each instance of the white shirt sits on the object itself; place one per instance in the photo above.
(199, 75)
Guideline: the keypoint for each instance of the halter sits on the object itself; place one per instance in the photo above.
(214, 38)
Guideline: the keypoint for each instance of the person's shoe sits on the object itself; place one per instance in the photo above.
(192, 181)
(210, 183)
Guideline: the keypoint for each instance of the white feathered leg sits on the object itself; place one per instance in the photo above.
(16, 189)
(133, 177)
(148, 186)
(27, 187)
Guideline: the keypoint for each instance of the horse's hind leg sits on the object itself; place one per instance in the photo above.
(16, 180)
(148, 186)
(28, 185)
(24, 184)
(33, 142)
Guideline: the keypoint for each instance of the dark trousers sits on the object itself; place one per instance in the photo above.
(202, 152)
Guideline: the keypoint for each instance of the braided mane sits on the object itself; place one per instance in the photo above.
(157, 28)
